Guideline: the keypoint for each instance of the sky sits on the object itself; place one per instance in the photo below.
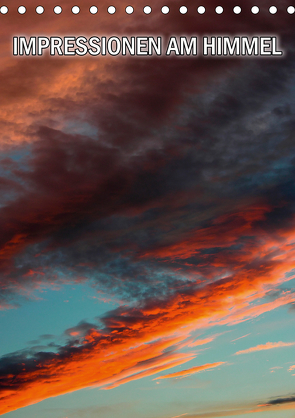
(147, 220)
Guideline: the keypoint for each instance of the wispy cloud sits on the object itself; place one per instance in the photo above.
(202, 341)
(239, 338)
(267, 346)
(273, 369)
(164, 364)
(189, 372)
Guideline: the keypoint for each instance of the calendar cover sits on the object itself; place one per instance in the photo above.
(147, 202)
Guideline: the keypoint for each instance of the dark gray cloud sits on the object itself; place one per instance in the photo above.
(281, 400)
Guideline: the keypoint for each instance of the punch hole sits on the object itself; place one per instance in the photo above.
(3, 10)
(75, 10)
(147, 10)
(22, 10)
(39, 10)
(255, 10)
(111, 10)
(129, 10)
(57, 10)
(93, 10)
(273, 10)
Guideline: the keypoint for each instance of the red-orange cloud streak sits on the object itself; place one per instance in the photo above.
(192, 370)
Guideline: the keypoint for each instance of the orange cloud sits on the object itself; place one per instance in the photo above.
(267, 346)
(150, 372)
(100, 363)
(192, 370)
(291, 368)
(202, 341)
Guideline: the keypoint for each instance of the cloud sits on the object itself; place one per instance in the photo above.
(80, 330)
(167, 183)
(280, 401)
(133, 342)
(151, 371)
(98, 360)
(192, 370)
(237, 409)
(202, 341)
(163, 173)
(267, 346)
(239, 338)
